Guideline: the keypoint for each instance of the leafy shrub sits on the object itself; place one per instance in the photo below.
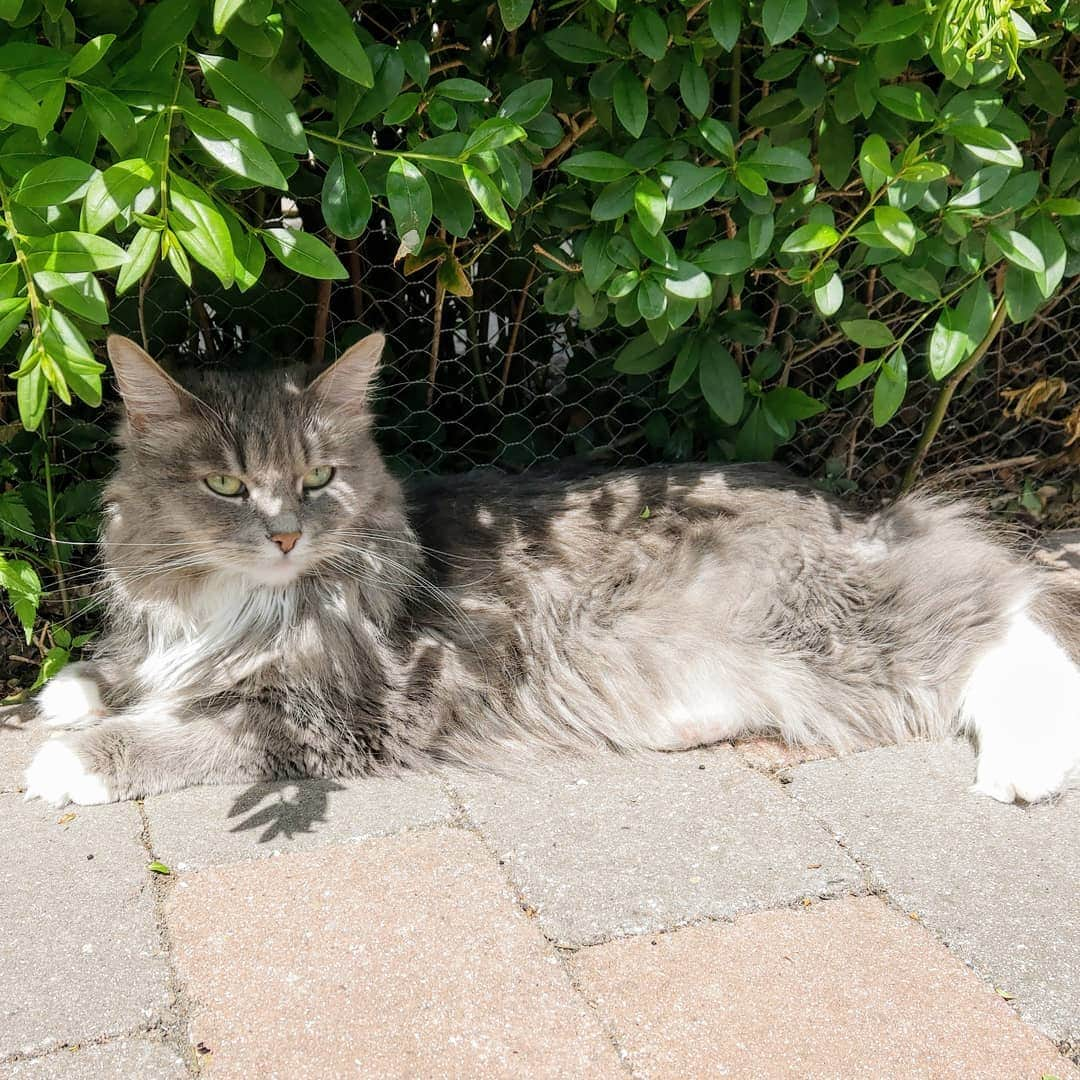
(900, 177)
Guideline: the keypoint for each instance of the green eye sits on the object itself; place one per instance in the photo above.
(318, 477)
(225, 485)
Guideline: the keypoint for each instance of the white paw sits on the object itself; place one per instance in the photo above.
(57, 775)
(1023, 704)
(70, 700)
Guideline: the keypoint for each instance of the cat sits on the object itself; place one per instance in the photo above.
(277, 606)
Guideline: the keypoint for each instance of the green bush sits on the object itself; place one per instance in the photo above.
(903, 177)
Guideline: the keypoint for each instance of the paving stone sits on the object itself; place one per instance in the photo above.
(770, 755)
(399, 957)
(998, 883)
(1061, 550)
(79, 949)
(846, 988)
(17, 745)
(121, 1059)
(204, 826)
(613, 845)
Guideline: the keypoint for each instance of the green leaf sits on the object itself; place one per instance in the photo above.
(721, 383)
(836, 150)
(1044, 84)
(168, 23)
(232, 145)
(810, 238)
(111, 117)
(631, 101)
(779, 65)
(158, 868)
(858, 375)
(514, 12)
(526, 102)
(202, 230)
(16, 104)
(73, 253)
(686, 363)
(17, 576)
(486, 194)
(651, 298)
(688, 282)
(255, 101)
(650, 204)
(875, 162)
(890, 388)
(597, 165)
(896, 227)
(760, 230)
(114, 190)
(919, 284)
(725, 257)
(304, 254)
(79, 293)
(949, 344)
(615, 200)
(791, 404)
(910, 101)
(32, 395)
(58, 180)
(90, 55)
(491, 134)
(462, 90)
(12, 311)
(870, 333)
(140, 257)
(694, 89)
(829, 297)
(781, 19)
(1045, 236)
(223, 12)
(781, 164)
(648, 34)
(643, 355)
(15, 521)
(718, 136)
(891, 22)
(409, 197)
(694, 185)
(987, 145)
(577, 45)
(327, 27)
(725, 21)
(1018, 249)
(1023, 296)
(980, 187)
(346, 201)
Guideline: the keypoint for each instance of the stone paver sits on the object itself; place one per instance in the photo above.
(205, 826)
(998, 883)
(770, 755)
(613, 845)
(79, 949)
(401, 956)
(846, 988)
(121, 1059)
(17, 745)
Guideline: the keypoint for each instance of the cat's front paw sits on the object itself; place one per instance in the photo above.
(71, 699)
(58, 775)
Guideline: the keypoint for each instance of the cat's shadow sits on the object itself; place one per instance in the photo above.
(283, 807)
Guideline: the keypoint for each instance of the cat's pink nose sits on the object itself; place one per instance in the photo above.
(285, 541)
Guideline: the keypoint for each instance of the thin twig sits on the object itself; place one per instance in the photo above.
(511, 345)
(576, 132)
(570, 268)
(322, 315)
(436, 334)
(945, 396)
(355, 279)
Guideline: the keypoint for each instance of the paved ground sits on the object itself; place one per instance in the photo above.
(732, 912)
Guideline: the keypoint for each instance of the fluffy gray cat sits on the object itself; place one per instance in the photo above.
(278, 606)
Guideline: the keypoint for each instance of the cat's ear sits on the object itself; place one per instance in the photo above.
(343, 386)
(150, 396)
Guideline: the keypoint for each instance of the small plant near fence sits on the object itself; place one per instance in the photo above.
(729, 191)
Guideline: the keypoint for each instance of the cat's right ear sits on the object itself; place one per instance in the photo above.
(150, 396)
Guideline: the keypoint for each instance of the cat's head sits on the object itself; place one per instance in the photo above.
(260, 477)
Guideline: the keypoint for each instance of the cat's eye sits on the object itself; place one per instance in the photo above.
(318, 477)
(225, 485)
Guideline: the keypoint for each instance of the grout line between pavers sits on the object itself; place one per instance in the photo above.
(175, 1023)
(460, 819)
(103, 1038)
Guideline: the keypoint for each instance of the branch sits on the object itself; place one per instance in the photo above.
(571, 137)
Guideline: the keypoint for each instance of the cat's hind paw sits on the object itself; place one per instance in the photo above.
(70, 699)
(57, 775)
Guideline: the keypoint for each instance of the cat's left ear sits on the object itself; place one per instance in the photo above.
(343, 386)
